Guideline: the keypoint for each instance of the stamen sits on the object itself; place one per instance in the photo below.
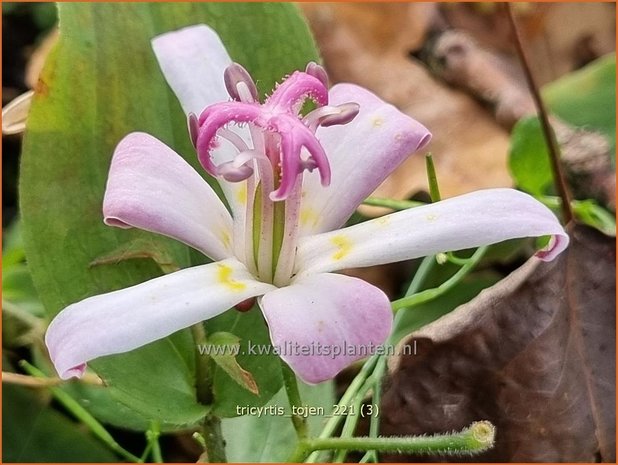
(194, 128)
(233, 138)
(318, 72)
(347, 112)
(233, 173)
(239, 84)
(331, 116)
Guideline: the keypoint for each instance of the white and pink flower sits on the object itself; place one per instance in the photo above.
(290, 182)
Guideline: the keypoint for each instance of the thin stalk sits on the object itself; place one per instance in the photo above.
(548, 132)
(333, 422)
(478, 437)
(430, 294)
(434, 190)
(211, 425)
(392, 203)
(81, 414)
(352, 418)
(152, 436)
(291, 389)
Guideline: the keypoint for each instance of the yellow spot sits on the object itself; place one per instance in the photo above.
(398, 136)
(377, 122)
(343, 244)
(309, 217)
(431, 217)
(226, 239)
(224, 276)
(241, 194)
(321, 326)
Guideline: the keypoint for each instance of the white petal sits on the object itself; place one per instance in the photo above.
(130, 318)
(193, 60)
(153, 188)
(361, 155)
(323, 323)
(470, 220)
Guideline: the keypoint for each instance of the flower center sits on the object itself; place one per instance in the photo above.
(274, 145)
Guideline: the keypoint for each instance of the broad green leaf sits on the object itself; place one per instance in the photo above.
(255, 355)
(140, 248)
(268, 436)
(224, 347)
(528, 157)
(34, 432)
(587, 98)
(102, 82)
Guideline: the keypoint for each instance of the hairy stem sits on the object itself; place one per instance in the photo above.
(211, 425)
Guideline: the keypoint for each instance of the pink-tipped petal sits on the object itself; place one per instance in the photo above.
(323, 323)
(471, 220)
(152, 188)
(193, 61)
(361, 155)
(130, 318)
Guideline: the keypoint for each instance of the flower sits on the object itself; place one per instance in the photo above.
(290, 182)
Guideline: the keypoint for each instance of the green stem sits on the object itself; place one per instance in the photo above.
(352, 418)
(81, 414)
(478, 437)
(348, 396)
(211, 425)
(392, 203)
(152, 436)
(434, 190)
(430, 294)
(213, 437)
(291, 389)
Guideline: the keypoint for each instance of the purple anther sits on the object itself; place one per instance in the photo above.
(347, 112)
(315, 70)
(194, 128)
(239, 84)
(230, 172)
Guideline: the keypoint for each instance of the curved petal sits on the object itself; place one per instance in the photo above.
(129, 318)
(151, 187)
(323, 323)
(470, 220)
(361, 154)
(193, 60)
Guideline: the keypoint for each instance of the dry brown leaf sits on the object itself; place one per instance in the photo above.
(368, 44)
(535, 354)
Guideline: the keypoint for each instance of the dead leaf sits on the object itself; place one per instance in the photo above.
(534, 354)
(369, 45)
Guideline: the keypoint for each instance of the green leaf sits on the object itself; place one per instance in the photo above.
(140, 247)
(33, 432)
(73, 127)
(265, 368)
(423, 314)
(528, 157)
(269, 436)
(587, 98)
(224, 347)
